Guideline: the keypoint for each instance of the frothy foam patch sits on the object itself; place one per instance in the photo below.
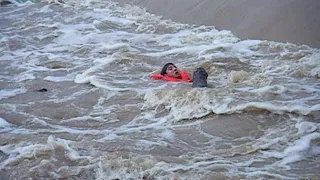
(289, 142)
(194, 103)
(313, 64)
(86, 76)
(238, 76)
(4, 123)
(128, 166)
(20, 151)
(72, 154)
(168, 134)
(275, 107)
(257, 80)
(5, 94)
(299, 150)
(18, 154)
(24, 76)
(58, 79)
(145, 145)
(276, 89)
(305, 127)
(187, 103)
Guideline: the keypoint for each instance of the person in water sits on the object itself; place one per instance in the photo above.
(170, 72)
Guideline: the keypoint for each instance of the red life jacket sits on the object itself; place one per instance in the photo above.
(183, 77)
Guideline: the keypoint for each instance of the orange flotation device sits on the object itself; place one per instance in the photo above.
(183, 77)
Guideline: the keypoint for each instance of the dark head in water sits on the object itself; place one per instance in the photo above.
(200, 78)
(171, 70)
(42, 90)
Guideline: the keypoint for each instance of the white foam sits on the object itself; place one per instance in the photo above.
(238, 76)
(46, 9)
(314, 64)
(96, 81)
(189, 104)
(6, 55)
(58, 79)
(297, 151)
(24, 76)
(305, 127)
(168, 134)
(5, 94)
(188, 50)
(20, 151)
(4, 123)
(276, 89)
(113, 166)
(23, 2)
(146, 145)
(242, 47)
(183, 104)
(17, 153)
(72, 154)
(88, 75)
(108, 137)
(276, 108)
(72, 32)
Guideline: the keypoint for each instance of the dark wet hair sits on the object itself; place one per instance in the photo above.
(164, 69)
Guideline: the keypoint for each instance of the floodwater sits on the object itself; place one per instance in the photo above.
(102, 117)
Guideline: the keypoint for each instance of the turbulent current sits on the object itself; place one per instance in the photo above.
(100, 116)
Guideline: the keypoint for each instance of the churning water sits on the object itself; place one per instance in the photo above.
(102, 117)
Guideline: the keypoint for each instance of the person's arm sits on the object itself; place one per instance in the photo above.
(184, 76)
(156, 76)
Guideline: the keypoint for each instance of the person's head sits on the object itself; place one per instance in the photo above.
(171, 70)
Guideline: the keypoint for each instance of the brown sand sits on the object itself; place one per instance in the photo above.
(295, 21)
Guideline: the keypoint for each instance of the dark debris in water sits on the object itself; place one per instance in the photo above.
(42, 90)
(3, 3)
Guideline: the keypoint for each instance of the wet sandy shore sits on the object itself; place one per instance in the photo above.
(293, 21)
